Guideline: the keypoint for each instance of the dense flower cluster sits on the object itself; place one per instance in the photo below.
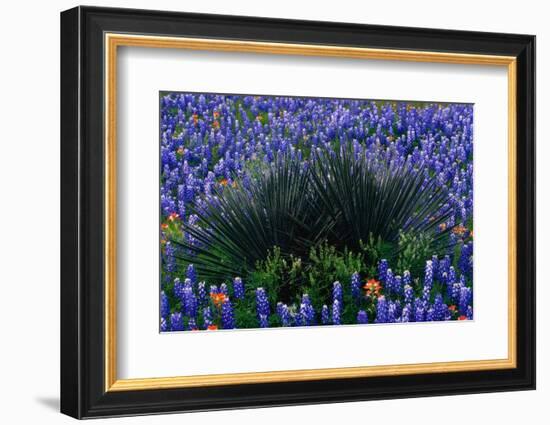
(207, 140)
(437, 296)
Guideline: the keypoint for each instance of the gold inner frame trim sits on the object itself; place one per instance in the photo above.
(112, 41)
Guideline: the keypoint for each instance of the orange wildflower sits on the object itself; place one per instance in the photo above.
(195, 118)
(164, 226)
(212, 327)
(459, 230)
(372, 287)
(462, 318)
(223, 182)
(216, 124)
(218, 299)
(443, 226)
(452, 307)
(216, 115)
(173, 216)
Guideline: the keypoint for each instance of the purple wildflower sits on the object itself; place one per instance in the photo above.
(362, 317)
(325, 315)
(336, 314)
(381, 310)
(176, 322)
(228, 320)
(238, 288)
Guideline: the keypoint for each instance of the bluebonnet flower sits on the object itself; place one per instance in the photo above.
(426, 293)
(362, 317)
(163, 325)
(465, 262)
(435, 265)
(455, 292)
(223, 289)
(191, 274)
(392, 312)
(398, 285)
(262, 307)
(207, 317)
(409, 293)
(407, 278)
(190, 302)
(325, 315)
(381, 310)
(307, 311)
(390, 281)
(178, 288)
(439, 308)
(169, 258)
(464, 299)
(444, 265)
(228, 319)
(336, 314)
(164, 305)
(452, 275)
(176, 322)
(279, 308)
(201, 290)
(337, 294)
(298, 319)
(238, 288)
(419, 310)
(470, 313)
(406, 314)
(263, 321)
(430, 314)
(355, 286)
(382, 270)
(428, 275)
(284, 314)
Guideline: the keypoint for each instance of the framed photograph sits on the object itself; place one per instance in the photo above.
(261, 212)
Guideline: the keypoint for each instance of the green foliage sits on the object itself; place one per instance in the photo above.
(414, 248)
(281, 277)
(245, 316)
(326, 265)
(373, 250)
(287, 279)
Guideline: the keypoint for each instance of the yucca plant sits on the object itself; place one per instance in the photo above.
(367, 198)
(240, 224)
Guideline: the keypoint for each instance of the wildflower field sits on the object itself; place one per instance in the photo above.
(293, 211)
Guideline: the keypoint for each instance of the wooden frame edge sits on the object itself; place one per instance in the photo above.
(306, 375)
(114, 40)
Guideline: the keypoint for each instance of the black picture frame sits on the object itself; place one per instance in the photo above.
(83, 392)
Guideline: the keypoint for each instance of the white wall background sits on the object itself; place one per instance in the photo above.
(29, 213)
